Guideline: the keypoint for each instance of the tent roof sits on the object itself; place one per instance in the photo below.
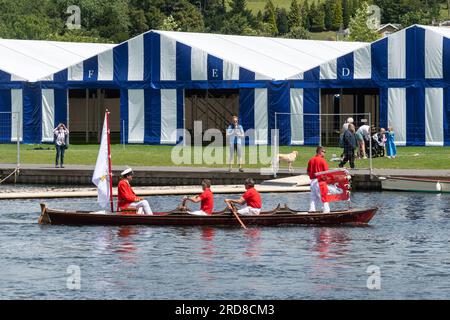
(274, 58)
(444, 31)
(30, 60)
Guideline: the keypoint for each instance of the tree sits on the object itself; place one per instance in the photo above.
(169, 24)
(270, 16)
(328, 10)
(345, 13)
(359, 31)
(299, 33)
(306, 21)
(295, 15)
(282, 21)
(337, 15)
(317, 18)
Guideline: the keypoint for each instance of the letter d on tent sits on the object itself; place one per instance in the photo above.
(345, 72)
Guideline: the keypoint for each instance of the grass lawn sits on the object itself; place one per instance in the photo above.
(139, 155)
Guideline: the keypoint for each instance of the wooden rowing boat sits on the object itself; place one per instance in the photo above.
(395, 183)
(276, 217)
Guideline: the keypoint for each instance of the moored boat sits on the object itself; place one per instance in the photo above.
(415, 184)
(276, 217)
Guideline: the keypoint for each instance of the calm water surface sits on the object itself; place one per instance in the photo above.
(409, 240)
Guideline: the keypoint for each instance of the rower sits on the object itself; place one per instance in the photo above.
(251, 197)
(317, 164)
(206, 199)
(127, 199)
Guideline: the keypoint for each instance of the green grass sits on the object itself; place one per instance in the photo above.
(134, 155)
(257, 5)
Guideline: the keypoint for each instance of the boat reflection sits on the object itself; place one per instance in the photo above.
(253, 245)
(331, 242)
(125, 246)
(207, 236)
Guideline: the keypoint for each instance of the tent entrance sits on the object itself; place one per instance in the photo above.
(214, 108)
(337, 104)
(86, 113)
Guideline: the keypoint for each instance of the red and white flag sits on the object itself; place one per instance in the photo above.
(334, 185)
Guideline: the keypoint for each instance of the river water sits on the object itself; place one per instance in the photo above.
(403, 254)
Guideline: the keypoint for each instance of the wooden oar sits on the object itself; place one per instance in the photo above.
(233, 209)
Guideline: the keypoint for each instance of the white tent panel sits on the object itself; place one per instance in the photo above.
(328, 70)
(199, 65)
(168, 59)
(48, 114)
(363, 63)
(433, 55)
(297, 133)
(434, 116)
(168, 116)
(136, 59)
(136, 116)
(397, 55)
(17, 111)
(106, 66)
(261, 116)
(230, 71)
(397, 114)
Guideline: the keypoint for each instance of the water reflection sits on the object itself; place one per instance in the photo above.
(126, 247)
(207, 236)
(253, 245)
(331, 242)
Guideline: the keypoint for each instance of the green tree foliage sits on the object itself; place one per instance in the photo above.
(337, 15)
(295, 15)
(282, 21)
(270, 17)
(298, 33)
(317, 17)
(359, 31)
(345, 13)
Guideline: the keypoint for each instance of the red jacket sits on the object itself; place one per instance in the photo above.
(316, 164)
(125, 195)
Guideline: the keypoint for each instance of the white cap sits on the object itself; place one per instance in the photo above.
(350, 120)
(126, 171)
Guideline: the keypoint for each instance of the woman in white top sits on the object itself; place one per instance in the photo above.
(61, 133)
(235, 134)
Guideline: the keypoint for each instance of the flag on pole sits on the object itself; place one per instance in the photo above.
(334, 185)
(101, 173)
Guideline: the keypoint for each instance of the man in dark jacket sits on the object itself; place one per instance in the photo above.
(349, 147)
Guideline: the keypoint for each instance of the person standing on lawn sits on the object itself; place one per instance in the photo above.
(235, 134)
(349, 147)
(60, 137)
(391, 149)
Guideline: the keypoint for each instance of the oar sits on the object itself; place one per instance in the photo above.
(233, 209)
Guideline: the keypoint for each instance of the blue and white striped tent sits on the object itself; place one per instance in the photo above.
(153, 70)
(412, 69)
(22, 64)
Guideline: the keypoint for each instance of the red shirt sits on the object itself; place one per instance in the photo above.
(253, 198)
(125, 195)
(207, 203)
(316, 164)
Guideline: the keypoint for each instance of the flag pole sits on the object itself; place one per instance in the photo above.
(108, 131)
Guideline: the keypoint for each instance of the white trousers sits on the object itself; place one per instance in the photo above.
(198, 213)
(249, 211)
(239, 153)
(316, 198)
(142, 206)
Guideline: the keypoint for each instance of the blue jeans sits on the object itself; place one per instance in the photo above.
(60, 154)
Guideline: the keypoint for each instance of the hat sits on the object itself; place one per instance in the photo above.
(126, 172)
(350, 120)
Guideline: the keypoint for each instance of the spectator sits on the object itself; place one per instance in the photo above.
(60, 137)
(363, 136)
(349, 147)
(235, 133)
(391, 149)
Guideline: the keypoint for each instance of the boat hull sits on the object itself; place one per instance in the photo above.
(355, 216)
(415, 184)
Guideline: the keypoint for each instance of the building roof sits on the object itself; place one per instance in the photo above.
(30, 60)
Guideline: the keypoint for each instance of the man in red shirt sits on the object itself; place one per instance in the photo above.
(317, 164)
(251, 197)
(206, 199)
(126, 196)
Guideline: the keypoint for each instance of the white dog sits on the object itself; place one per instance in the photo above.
(289, 158)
